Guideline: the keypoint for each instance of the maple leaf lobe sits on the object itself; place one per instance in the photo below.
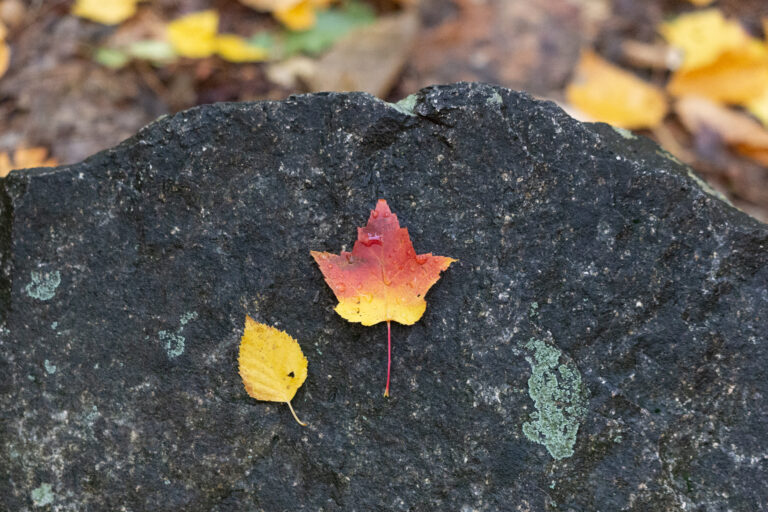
(382, 279)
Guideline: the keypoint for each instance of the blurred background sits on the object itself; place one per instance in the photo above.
(79, 76)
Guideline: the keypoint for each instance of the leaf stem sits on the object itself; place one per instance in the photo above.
(294, 415)
(389, 355)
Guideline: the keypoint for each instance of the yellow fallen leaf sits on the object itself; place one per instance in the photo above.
(5, 57)
(610, 94)
(758, 106)
(194, 35)
(297, 17)
(25, 159)
(703, 36)
(108, 12)
(701, 3)
(737, 76)
(236, 49)
(271, 364)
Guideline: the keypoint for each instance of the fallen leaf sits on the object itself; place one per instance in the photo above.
(297, 17)
(382, 279)
(735, 128)
(111, 58)
(758, 106)
(609, 94)
(368, 59)
(331, 25)
(236, 49)
(736, 77)
(294, 14)
(25, 158)
(152, 50)
(194, 35)
(107, 12)
(703, 36)
(5, 57)
(701, 3)
(271, 364)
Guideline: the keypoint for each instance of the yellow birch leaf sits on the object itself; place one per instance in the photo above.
(703, 36)
(737, 76)
(107, 12)
(271, 364)
(194, 35)
(610, 94)
(297, 17)
(236, 49)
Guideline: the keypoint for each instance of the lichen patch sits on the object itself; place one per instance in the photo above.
(560, 399)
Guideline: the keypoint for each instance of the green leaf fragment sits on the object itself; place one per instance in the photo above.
(156, 51)
(331, 25)
(111, 58)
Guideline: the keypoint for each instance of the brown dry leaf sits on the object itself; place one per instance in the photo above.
(5, 50)
(608, 93)
(25, 158)
(737, 76)
(271, 364)
(734, 128)
(759, 155)
(369, 58)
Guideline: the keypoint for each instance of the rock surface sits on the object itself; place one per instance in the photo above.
(601, 344)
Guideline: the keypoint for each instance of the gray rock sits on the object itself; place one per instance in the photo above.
(600, 344)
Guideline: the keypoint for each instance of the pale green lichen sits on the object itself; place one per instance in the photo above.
(54, 325)
(174, 343)
(43, 495)
(186, 317)
(495, 99)
(49, 367)
(43, 285)
(624, 132)
(560, 399)
(534, 309)
(406, 105)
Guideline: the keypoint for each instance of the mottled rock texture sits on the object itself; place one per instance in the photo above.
(601, 344)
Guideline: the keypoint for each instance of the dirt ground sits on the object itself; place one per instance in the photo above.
(55, 94)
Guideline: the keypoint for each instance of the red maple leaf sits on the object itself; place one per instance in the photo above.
(382, 279)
